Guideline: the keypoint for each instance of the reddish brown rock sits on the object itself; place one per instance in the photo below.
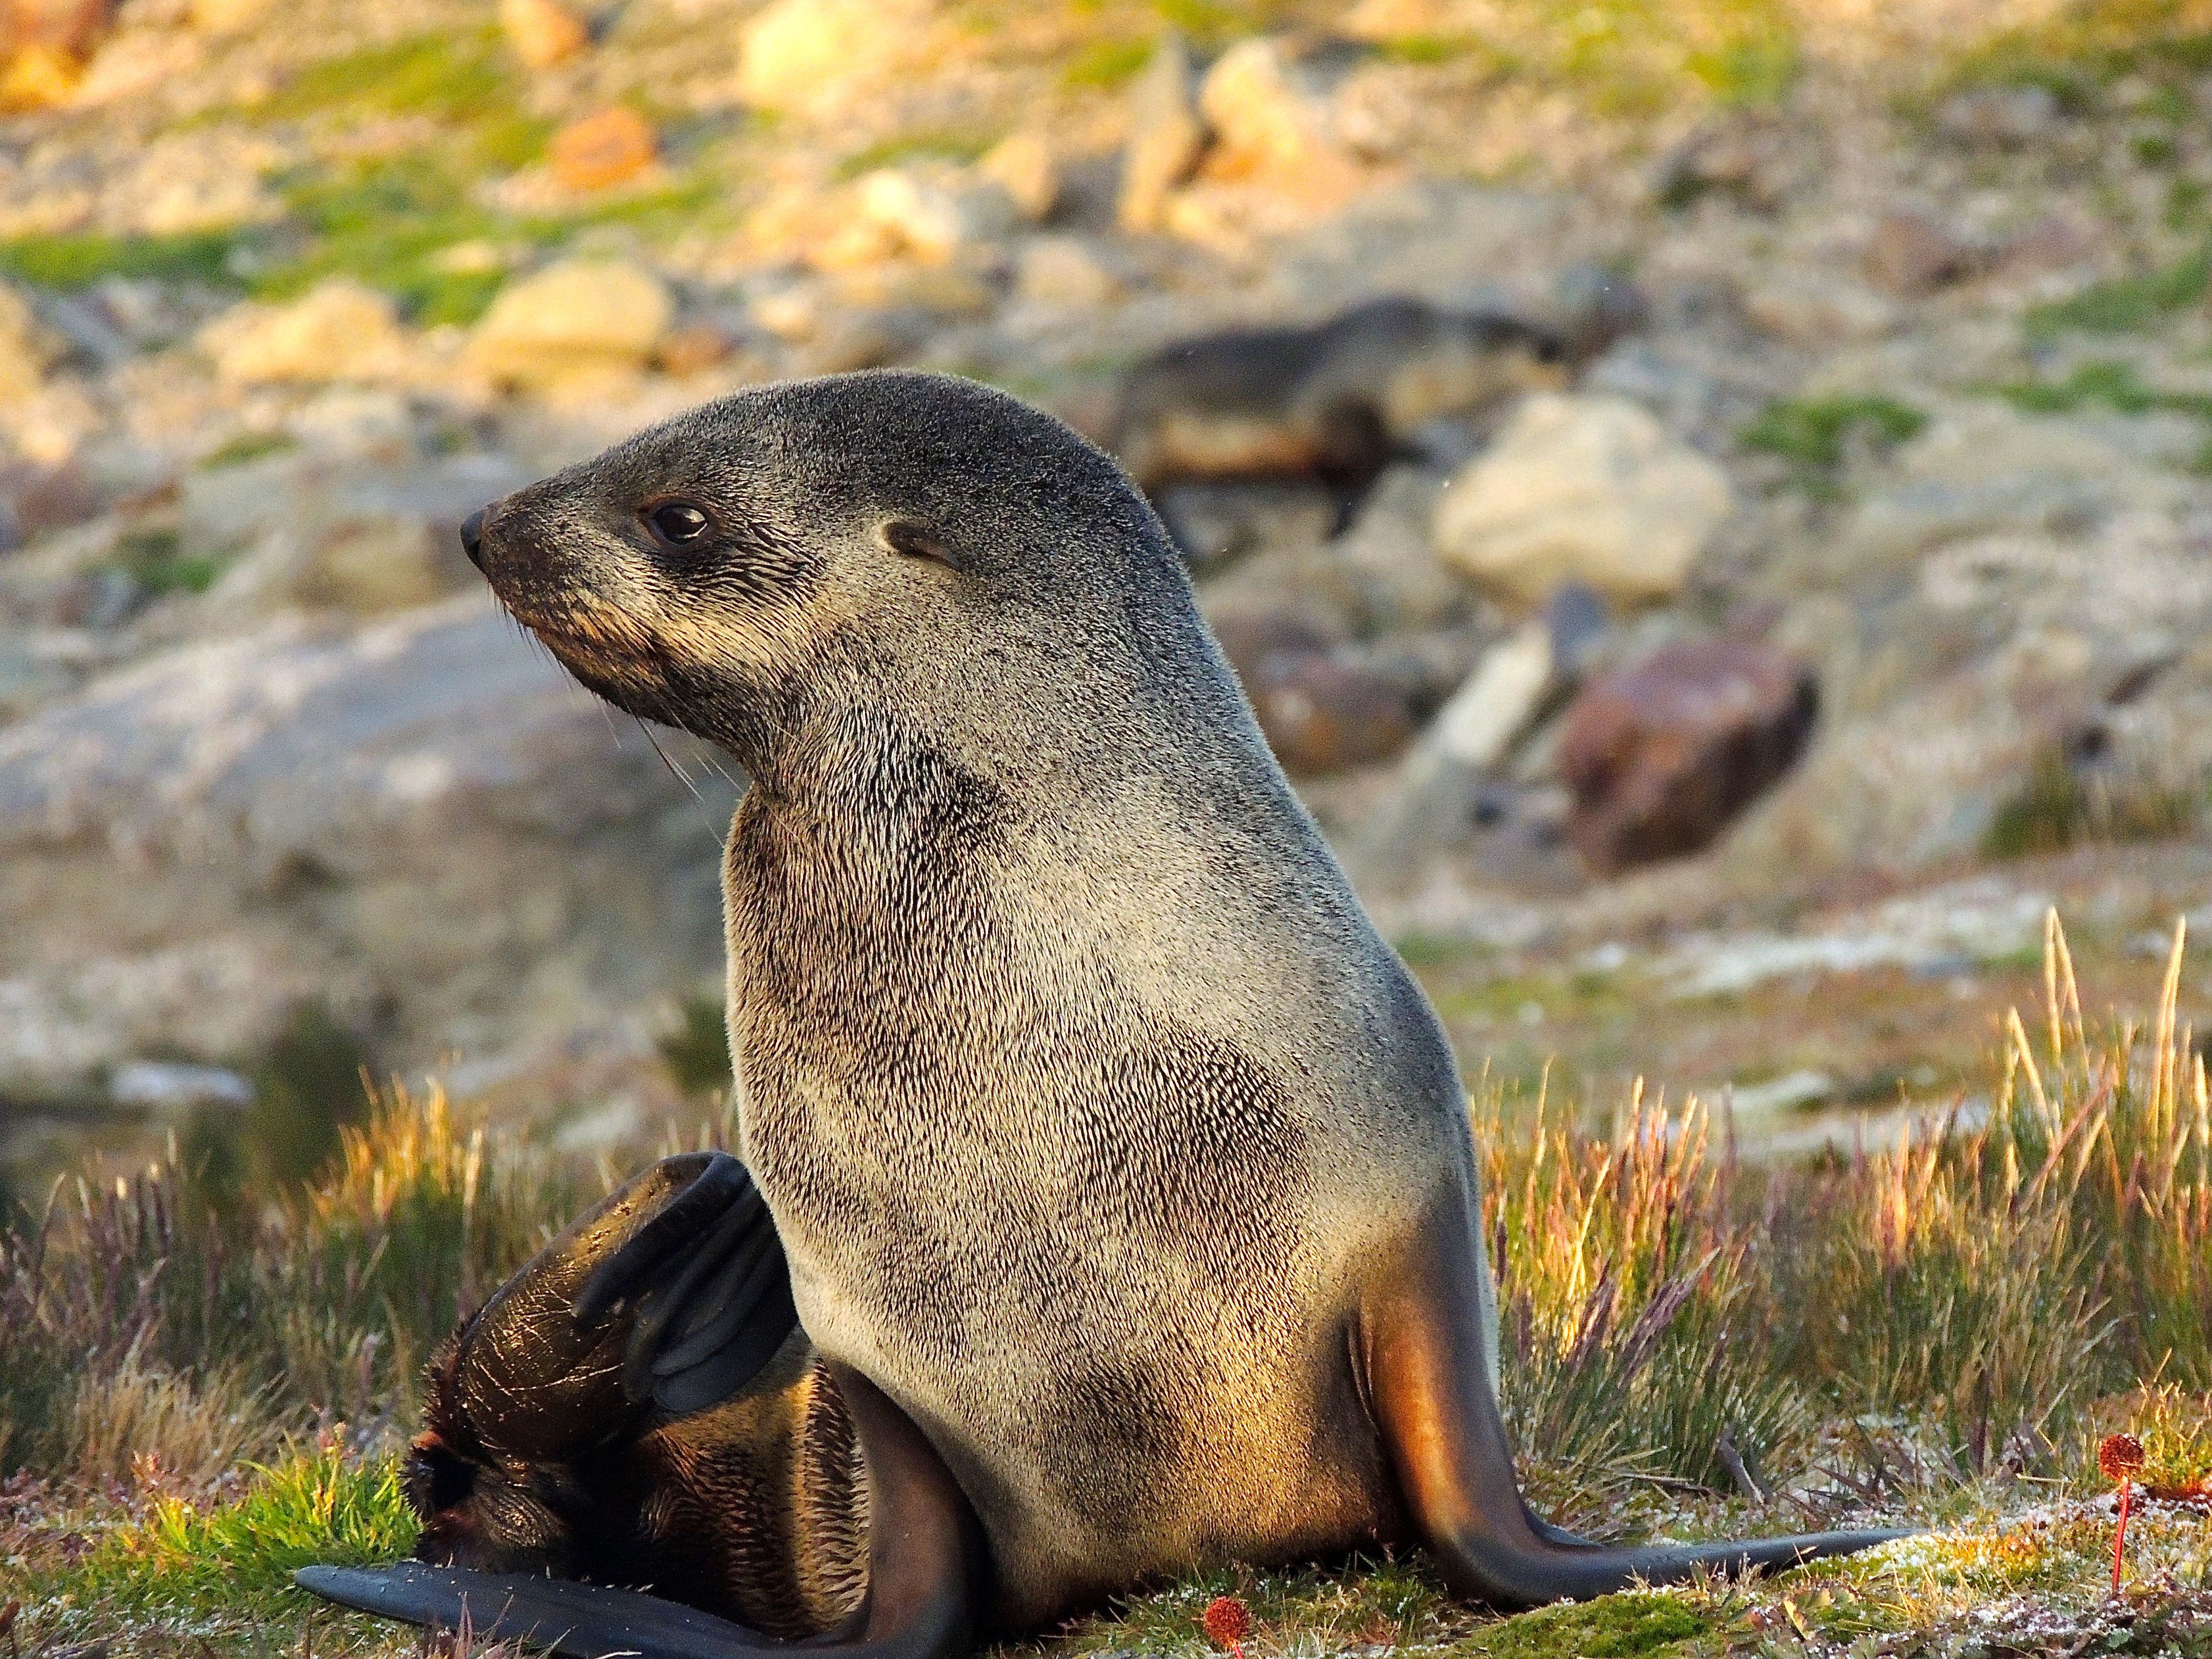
(1321, 710)
(1911, 253)
(70, 26)
(603, 150)
(35, 500)
(693, 349)
(1660, 757)
(1320, 714)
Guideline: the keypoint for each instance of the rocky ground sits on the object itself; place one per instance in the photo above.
(1878, 450)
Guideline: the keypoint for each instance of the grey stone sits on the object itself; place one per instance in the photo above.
(168, 1087)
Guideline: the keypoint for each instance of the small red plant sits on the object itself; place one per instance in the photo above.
(1228, 1622)
(2121, 1458)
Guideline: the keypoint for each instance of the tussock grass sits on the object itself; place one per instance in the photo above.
(1957, 1299)
(1625, 1286)
(145, 1313)
(1940, 1328)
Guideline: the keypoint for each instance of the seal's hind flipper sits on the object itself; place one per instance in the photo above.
(711, 1289)
(554, 1615)
(1427, 1372)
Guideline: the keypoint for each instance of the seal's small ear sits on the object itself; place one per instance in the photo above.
(914, 541)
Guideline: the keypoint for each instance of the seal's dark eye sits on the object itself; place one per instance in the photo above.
(678, 524)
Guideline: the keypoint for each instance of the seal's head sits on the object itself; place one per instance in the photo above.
(790, 559)
(521, 1399)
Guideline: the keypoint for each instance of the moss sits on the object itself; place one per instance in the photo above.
(1107, 63)
(246, 447)
(2127, 305)
(2115, 386)
(154, 559)
(1375, 1601)
(78, 260)
(2076, 51)
(1811, 432)
(1755, 71)
(2154, 149)
(1611, 1627)
(961, 145)
(446, 74)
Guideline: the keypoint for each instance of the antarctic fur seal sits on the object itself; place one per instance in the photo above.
(1334, 401)
(1123, 1172)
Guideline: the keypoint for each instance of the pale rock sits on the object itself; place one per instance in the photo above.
(1268, 110)
(935, 212)
(211, 178)
(1587, 489)
(363, 533)
(1982, 466)
(1913, 252)
(1023, 165)
(921, 291)
(809, 54)
(166, 1088)
(1439, 783)
(579, 322)
(1406, 587)
(1166, 136)
(544, 32)
(27, 350)
(1477, 725)
(1063, 270)
(136, 64)
(2007, 117)
(339, 330)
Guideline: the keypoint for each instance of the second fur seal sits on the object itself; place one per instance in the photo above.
(1124, 1172)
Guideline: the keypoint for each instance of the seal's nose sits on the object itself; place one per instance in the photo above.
(472, 538)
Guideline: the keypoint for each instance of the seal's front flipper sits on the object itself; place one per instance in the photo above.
(710, 1289)
(1428, 1375)
(554, 1615)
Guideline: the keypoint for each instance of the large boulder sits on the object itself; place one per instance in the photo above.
(1589, 489)
(26, 349)
(421, 822)
(1166, 135)
(1661, 758)
(542, 32)
(339, 330)
(582, 322)
(807, 54)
